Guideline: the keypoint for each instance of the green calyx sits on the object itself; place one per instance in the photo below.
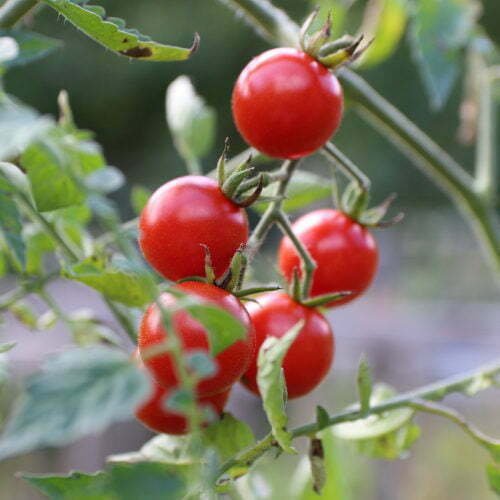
(331, 53)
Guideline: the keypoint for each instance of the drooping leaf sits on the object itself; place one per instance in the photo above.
(31, 46)
(440, 31)
(271, 383)
(317, 461)
(76, 393)
(304, 189)
(384, 24)
(190, 120)
(117, 282)
(112, 34)
(19, 126)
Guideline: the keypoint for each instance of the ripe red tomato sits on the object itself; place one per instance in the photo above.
(181, 217)
(286, 104)
(310, 356)
(345, 252)
(156, 417)
(231, 363)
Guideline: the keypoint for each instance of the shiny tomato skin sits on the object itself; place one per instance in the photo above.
(156, 417)
(181, 217)
(309, 358)
(231, 363)
(286, 104)
(345, 252)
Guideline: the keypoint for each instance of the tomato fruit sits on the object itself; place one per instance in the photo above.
(286, 104)
(156, 417)
(345, 252)
(182, 216)
(310, 356)
(230, 363)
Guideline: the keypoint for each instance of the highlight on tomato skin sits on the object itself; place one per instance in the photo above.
(345, 252)
(230, 363)
(309, 358)
(185, 216)
(286, 104)
(154, 414)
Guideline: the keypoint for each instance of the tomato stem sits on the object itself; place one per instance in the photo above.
(13, 10)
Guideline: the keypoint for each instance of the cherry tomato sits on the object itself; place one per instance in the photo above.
(286, 104)
(231, 363)
(181, 217)
(156, 417)
(345, 252)
(309, 358)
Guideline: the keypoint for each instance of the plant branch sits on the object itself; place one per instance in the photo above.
(346, 165)
(13, 10)
(432, 392)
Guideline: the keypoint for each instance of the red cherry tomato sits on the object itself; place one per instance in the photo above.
(156, 417)
(286, 104)
(345, 252)
(231, 363)
(310, 356)
(181, 217)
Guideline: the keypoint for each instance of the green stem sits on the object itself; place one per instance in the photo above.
(13, 10)
(308, 263)
(432, 392)
(346, 165)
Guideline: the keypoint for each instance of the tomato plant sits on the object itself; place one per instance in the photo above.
(190, 265)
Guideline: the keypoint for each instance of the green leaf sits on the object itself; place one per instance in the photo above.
(7, 346)
(387, 435)
(228, 436)
(11, 223)
(272, 386)
(116, 282)
(19, 126)
(139, 196)
(75, 486)
(38, 244)
(30, 46)
(440, 30)
(201, 364)
(121, 481)
(105, 180)
(493, 473)
(305, 188)
(110, 33)
(151, 481)
(190, 120)
(322, 417)
(384, 23)
(223, 329)
(365, 383)
(23, 313)
(52, 188)
(78, 392)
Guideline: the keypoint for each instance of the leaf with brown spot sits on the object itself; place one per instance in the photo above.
(111, 33)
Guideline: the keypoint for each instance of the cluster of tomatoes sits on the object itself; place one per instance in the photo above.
(287, 105)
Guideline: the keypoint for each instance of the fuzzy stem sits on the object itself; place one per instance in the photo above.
(13, 10)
